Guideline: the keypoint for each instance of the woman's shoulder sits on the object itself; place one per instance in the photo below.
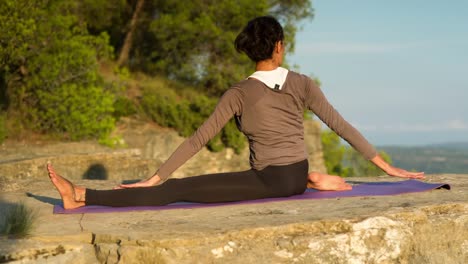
(298, 82)
(238, 89)
(297, 76)
(243, 84)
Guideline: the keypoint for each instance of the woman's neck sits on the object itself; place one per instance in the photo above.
(266, 65)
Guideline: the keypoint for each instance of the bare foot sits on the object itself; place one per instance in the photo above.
(65, 188)
(325, 182)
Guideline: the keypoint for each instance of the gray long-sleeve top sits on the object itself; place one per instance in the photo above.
(272, 121)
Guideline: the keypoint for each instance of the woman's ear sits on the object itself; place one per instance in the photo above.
(278, 46)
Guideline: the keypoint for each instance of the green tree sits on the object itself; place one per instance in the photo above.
(49, 68)
(189, 41)
(111, 17)
(195, 45)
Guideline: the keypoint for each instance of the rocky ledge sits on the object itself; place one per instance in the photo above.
(428, 227)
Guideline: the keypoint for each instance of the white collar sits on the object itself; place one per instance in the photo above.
(273, 79)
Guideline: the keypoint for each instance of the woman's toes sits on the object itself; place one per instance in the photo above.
(51, 171)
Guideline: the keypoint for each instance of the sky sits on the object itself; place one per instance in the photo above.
(397, 70)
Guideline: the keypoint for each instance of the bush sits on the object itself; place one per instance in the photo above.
(333, 152)
(51, 69)
(3, 132)
(164, 106)
(123, 106)
(359, 166)
(344, 160)
(79, 112)
(17, 221)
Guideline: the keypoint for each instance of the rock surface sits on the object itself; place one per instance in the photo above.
(428, 227)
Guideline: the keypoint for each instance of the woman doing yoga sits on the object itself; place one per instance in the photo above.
(268, 107)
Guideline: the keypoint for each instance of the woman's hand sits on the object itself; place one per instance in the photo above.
(394, 171)
(144, 183)
(397, 172)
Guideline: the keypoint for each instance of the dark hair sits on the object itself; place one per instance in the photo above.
(259, 37)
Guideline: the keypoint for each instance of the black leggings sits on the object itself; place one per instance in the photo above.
(273, 181)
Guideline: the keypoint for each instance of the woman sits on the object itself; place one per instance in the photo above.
(268, 107)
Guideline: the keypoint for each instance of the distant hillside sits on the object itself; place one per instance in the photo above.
(452, 145)
(437, 158)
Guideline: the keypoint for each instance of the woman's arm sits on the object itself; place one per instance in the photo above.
(394, 171)
(230, 104)
(315, 100)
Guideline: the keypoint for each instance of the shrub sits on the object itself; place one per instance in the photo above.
(344, 160)
(17, 221)
(161, 106)
(119, 81)
(51, 69)
(123, 106)
(80, 112)
(359, 166)
(3, 132)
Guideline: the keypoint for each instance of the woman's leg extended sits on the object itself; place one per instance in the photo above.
(220, 187)
(273, 181)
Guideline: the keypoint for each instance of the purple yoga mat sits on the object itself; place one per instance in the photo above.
(364, 189)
